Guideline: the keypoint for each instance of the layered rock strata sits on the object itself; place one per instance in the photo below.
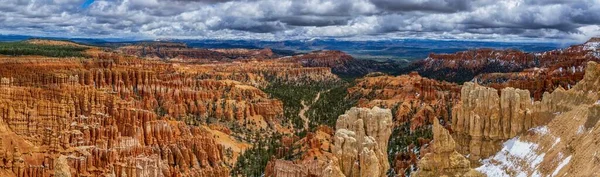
(444, 160)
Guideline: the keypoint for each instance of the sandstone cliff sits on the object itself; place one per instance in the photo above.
(566, 146)
(444, 160)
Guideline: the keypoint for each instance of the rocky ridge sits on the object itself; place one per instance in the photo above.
(537, 72)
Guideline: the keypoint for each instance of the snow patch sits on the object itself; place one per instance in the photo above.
(541, 130)
(513, 155)
(591, 46)
(561, 165)
(580, 129)
(555, 142)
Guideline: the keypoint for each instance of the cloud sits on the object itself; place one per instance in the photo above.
(301, 19)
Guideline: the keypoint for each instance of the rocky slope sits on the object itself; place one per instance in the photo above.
(563, 147)
(537, 72)
(444, 160)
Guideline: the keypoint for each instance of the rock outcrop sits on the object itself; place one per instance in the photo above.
(484, 118)
(360, 143)
(444, 160)
(566, 146)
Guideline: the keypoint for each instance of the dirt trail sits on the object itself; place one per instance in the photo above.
(306, 108)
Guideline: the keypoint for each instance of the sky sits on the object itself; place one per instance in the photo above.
(502, 20)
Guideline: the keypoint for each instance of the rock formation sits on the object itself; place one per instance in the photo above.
(417, 101)
(484, 119)
(414, 97)
(537, 72)
(566, 146)
(360, 143)
(444, 160)
(359, 148)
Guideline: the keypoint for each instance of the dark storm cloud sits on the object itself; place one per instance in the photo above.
(310, 20)
(443, 6)
(299, 19)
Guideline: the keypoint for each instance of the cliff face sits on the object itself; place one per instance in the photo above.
(444, 160)
(485, 118)
(360, 143)
(563, 147)
(121, 120)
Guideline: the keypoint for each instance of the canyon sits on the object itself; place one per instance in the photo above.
(166, 109)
